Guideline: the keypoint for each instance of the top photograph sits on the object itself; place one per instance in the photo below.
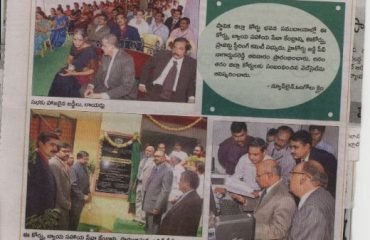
(119, 49)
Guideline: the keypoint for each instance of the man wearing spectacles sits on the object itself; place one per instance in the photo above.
(314, 218)
(274, 209)
(302, 151)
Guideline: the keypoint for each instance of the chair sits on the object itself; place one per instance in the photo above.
(152, 43)
(139, 60)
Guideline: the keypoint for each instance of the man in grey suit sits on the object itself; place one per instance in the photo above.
(157, 189)
(314, 218)
(115, 78)
(275, 207)
(60, 172)
(80, 188)
(145, 167)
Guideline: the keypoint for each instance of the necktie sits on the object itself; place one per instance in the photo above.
(262, 195)
(168, 82)
(151, 177)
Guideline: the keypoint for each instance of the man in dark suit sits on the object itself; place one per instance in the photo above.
(128, 36)
(314, 218)
(170, 76)
(183, 218)
(115, 78)
(173, 22)
(156, 194)
(232, 148)
(302, 151)
(80, 183)
(41, 190)
(60, 172)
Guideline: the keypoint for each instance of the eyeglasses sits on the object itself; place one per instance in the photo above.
(260, 175)
(300, 173)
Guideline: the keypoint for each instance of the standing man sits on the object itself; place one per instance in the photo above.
(302, 151)
(80, 188)
(232, 148)
(314, 218)
(183, 218)
(317, 133)
(145, 167)
(41, 190)
(244, 177)
(115, 78)
(169, 76)
(275, 207)
(59, 168)
(156, 192)
(280, 151)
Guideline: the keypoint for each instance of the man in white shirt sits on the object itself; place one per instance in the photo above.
(245, 171)
(158, 28)
(139, 22)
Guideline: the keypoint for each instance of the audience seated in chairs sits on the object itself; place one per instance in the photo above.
(42, 33)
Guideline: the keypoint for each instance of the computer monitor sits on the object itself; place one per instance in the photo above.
(235, 227)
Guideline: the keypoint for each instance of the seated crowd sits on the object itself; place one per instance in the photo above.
(106, 40)
(289, 184)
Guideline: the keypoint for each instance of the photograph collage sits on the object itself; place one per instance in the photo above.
(183, 119)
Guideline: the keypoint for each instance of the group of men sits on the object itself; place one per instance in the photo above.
(54, 183)
(168, 76)
(278, 175)
(170, 190)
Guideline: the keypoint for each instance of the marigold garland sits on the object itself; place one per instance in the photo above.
(174, 129)
(135, 137)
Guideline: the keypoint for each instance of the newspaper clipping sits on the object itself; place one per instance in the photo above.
(166, 119)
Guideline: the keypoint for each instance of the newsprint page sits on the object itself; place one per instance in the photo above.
(180, 119)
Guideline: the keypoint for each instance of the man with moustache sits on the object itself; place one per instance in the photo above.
(169, 76)
(128, 36)
(96, 32)
(59, 168)
(41, 190)
(232, 148)
(280, 151)
(302, 151)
